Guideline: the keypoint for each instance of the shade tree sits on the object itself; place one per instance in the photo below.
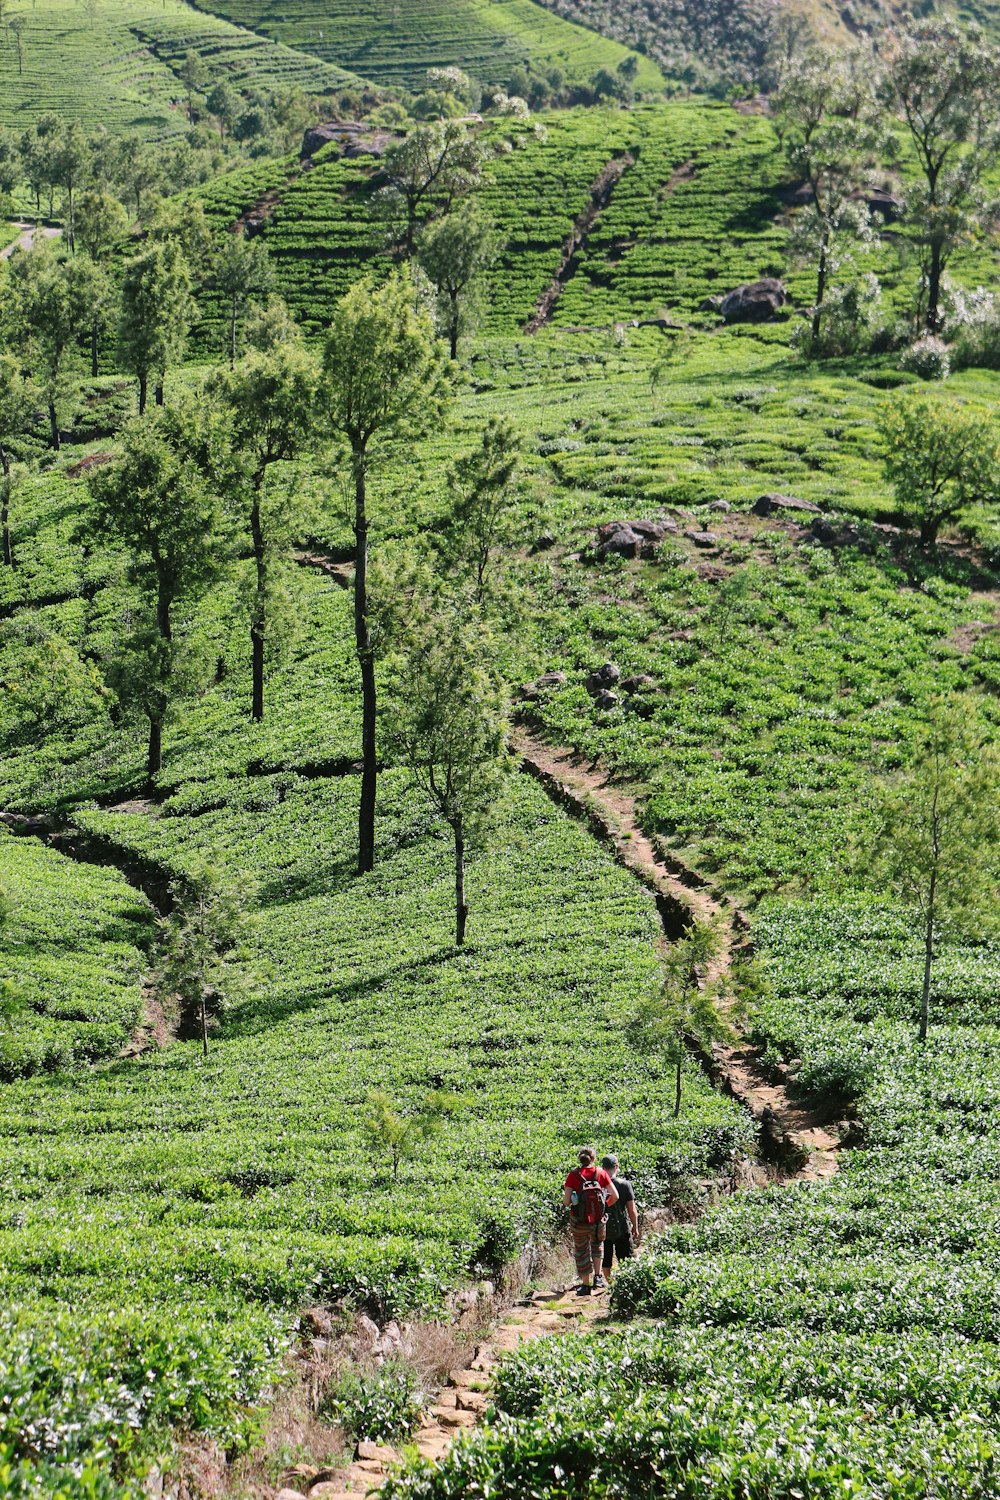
(156, 499)
(942, 81)
(242, 275)
(272, 404)
(481, 486)
(386, 379)
(827, 115)
(425, 174)
(18, 401)
(156, 308)
(198, 947)
(936, 832)
(455, 252)
(447, 720)
(51, 307)
(942, 459)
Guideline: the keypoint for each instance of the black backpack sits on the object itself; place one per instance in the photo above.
(618, 1220)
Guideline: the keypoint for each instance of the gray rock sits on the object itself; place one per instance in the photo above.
(551, 680)
(636, 683)
(722, 506)
(754, 301)
(543, 542)
(631, 538)
(765, 505)
(606, 700)
(702, 538)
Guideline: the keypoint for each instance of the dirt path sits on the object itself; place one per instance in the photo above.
(26, 238)
(800, 1139)
(600, 197)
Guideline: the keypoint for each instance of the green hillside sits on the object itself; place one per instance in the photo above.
(117, 67)
(396, 41)
(281, 1142)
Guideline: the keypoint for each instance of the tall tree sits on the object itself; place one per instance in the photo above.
(156, 313)
(825, 111)
(155, 499)
(448, 720)
(71, 158)
(272, 403)
(937, 840)
(387, 378)
(19, 26)
(454, 252)
(941, 458)
(242, 276)
(101, 226)
(426, 173)
(193, 78)
(50, 297)
(943, 81)
(17, 404)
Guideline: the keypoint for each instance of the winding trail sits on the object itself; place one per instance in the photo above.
(26, 238)
(799, 1140)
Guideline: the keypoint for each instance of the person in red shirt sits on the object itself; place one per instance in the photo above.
(588, 1194)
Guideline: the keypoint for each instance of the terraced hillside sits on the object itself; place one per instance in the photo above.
(396, 41)
(118, 66)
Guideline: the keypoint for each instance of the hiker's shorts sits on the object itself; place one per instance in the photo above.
(587, 1242)
(620, 1245)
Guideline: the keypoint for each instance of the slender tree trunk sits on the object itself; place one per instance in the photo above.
(93, 347)
(677, 1080)
(232, 333)
(143, 391)
(258, 621)
(925, 1000)
(461, 909)
(817, 316)
(204, 1026)
(158, 392)
(934, 271)
(53, 427)
(154, 759)
(453, 325)
(8, 555)
(366, 661)
(154, 754)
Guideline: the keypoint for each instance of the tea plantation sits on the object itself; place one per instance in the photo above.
(397, 43)
(119, 66)
(173, 1205)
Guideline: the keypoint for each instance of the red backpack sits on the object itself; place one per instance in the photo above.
(592, 1198)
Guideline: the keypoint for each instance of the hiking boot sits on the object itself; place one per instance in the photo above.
(583, 1291)
(600, 1284)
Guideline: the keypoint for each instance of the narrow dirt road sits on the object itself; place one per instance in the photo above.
(26, 238)
(803, 1139)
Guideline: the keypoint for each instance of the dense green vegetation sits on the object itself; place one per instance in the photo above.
(834, 1339)
(168, 1213)
(119, 66)
(397, 43)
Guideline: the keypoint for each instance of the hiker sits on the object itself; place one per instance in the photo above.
(588, 1194)
(622, 1234)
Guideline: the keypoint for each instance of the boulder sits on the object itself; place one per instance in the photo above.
(366, 1332)
(637, 683)
(702, 538)
(881, 201)
(543, 542)
(754, 301)
(551, 680)
(375, 1453)
(318, 1322)
(604, 677)
(631, 538)
(722, 506)
(606, 700)
(765, 505)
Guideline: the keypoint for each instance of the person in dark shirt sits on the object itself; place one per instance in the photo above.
(622, 1233)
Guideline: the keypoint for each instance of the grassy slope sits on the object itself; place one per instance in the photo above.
(116, 70)
(396, 41)
(747, 770)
